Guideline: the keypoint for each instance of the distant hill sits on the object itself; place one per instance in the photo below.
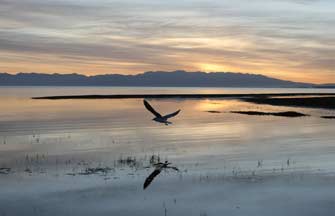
(158, 78)
(329, 85)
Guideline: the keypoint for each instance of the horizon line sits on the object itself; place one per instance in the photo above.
(157, 71)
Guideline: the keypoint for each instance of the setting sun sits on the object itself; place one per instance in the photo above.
(208, 67)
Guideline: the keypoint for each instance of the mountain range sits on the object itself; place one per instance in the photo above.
(156, 79)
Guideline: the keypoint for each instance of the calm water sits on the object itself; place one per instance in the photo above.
(215, 151)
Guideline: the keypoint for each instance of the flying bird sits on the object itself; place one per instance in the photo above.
(158, 117)
(158, 169)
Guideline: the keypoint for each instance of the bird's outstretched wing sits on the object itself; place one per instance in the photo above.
(150, 178)
(152, 110)
(171, 114)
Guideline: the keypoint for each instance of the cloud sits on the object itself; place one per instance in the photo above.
(290, 39)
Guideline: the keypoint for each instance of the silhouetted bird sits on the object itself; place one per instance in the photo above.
(158, 117)
(158, 168)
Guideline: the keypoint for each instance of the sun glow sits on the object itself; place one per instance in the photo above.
(218, 105)
(208, 67)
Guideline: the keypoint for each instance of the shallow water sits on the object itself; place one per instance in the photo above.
(221, 155)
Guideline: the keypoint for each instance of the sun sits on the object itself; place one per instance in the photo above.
(208, 67)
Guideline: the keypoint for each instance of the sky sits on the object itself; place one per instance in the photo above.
(286, 39)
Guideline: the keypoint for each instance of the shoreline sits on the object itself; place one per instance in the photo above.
(305, 100)
(327, 102)
(186, 96)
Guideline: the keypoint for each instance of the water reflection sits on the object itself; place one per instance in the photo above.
(85, 128)
(92, 157)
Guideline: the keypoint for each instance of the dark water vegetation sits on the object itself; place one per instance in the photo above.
(327, 102)
(283, 114)
(328, 117)
(213, 111)
(5, 170)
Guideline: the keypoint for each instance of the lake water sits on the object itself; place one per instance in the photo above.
(229, 163)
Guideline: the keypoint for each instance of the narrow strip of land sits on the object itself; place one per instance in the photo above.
(291, 114)
(328, 117)
(326, 102)
(308, 100)
(186, 96)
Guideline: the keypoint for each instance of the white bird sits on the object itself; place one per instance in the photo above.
(158, 168)
(158, 117)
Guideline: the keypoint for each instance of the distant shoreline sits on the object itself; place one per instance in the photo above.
(178, 78)
(307, 100)
(325, 102)
(158, 96)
